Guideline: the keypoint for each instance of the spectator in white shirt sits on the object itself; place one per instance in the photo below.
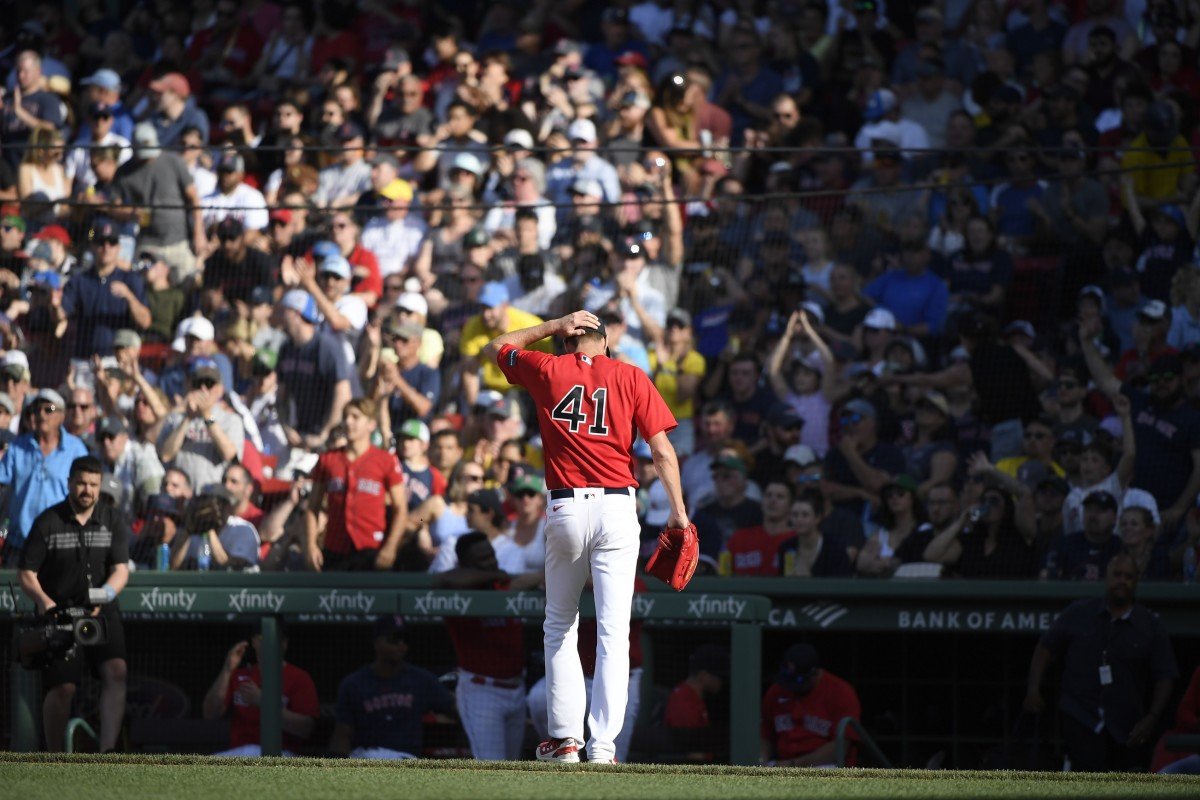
(884, 122)
(233, 197)
(395, 238)
(528, 187)
(99, 133)
(339, 185)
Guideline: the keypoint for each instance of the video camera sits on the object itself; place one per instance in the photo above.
(56, 634)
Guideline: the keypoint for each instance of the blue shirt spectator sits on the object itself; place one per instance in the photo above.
(104, 299)
(381, 706)
(36, 466)
(314, 375)
(912, 293)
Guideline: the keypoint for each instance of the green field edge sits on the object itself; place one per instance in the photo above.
(643, 769)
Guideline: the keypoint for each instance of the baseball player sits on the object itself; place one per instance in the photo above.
(536, 700)
(491, 655)
(590, 407)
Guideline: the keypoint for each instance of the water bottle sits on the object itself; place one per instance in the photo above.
(204, 560)
(163, 563)
(1189, 565)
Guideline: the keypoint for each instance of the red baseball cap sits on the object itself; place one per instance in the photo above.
(632, 58)
(283, 215)
(56, 233)
(172, 82)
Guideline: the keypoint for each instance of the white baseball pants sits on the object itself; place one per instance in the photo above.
(493, 717)
(591, 533)
(538, 708)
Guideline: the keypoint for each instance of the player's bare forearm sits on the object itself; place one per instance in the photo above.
(572, 324)
(666, 464)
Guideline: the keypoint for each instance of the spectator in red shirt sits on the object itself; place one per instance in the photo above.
(755, 550)
(801, 712)
(1187, 722)
(238, 691)
(708, 669)
(226, 52)
(357, 482)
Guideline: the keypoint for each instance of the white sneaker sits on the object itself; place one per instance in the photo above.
(564, 751)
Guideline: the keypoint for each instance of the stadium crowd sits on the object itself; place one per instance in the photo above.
(245, 245)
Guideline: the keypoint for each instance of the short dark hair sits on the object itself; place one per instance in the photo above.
(718, 405)
(465, 106)
(85, 464)
(814, 498)
(466, 542)
(447, 433)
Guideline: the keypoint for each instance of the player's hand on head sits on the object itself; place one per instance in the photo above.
(578, 322)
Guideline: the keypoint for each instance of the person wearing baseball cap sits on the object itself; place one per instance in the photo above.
(36, 481)
(804, 691)
(206, 435)
(343, 315)
(395, 237)
(1085, 556)
(312, 371)
(104, 89)
(423, 480)
(588, 169)
(367, 728)
(235, 269)
(497, 317)
(121, 292)
(233, 197)
(175, 109)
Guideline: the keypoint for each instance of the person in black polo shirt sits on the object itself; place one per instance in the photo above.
(1113, 651)
(77, 545)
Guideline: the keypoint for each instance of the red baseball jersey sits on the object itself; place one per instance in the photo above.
(685, 708)
(799, 724)
(753, 551)
(299, 695)
(492, 646)
(356, 494)
(588, 410)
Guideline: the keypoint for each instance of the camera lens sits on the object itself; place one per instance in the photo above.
(87, 632)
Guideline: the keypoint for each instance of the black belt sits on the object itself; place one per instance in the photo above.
(563, 494)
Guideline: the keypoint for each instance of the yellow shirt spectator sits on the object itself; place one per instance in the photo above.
(1155, 175)
(498, 318)
(666, 380)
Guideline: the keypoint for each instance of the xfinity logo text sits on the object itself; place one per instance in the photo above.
(522, 604)
(256, 601)
(175, 600)
(705, 606)
(430, 603)
(333, 601)
(642, 605)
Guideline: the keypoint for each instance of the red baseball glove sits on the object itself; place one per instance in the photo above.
(676, 557)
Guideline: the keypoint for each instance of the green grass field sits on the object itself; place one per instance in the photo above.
(43, 777)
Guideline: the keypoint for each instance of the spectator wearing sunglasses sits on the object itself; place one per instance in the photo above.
(104, 299)
(36, 466)
(98, 133)
(204, 435)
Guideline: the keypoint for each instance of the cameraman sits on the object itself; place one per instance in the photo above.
(73, 547)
